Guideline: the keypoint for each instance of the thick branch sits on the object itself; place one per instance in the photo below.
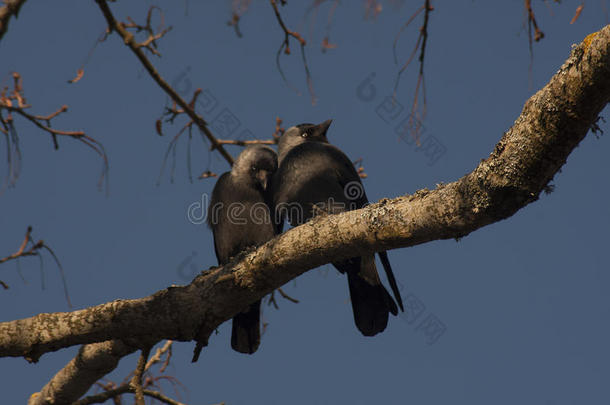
(551, 125)
(90, 364)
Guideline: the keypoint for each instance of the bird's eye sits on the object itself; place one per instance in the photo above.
(253, 168)
(304, 134)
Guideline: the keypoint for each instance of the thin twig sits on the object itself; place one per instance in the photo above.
(285, 47)
(288, 297)
(239, 8)
(531, 19)
(129, 40)
(136, 381)
(124, 389)
(15, 103)
(104, 396)
(538, 35)
(577, 12)
(240, 142)
(34, 249)
(279, 130)
(399, 34)
(166, 348)
(413, 125)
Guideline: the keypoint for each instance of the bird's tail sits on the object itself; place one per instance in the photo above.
(371, 303)
(246, 332)
(390, 275)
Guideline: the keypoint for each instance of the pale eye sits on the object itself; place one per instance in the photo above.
(304, 134)
(253, 168)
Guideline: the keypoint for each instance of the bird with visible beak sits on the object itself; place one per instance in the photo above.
(240, 218)
(314, 175)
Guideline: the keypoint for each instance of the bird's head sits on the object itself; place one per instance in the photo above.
(257, 164)
(300, 134)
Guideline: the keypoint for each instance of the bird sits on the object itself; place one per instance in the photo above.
(240, 218)
(315, 177)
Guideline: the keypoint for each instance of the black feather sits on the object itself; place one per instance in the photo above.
(315, 176)
(248, 226)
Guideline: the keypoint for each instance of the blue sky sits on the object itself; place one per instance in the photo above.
(524, 301)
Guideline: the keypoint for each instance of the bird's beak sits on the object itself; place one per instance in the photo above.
(322, 128)
(263, 179)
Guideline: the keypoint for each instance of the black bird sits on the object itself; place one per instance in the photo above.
(239, 216)
(315, 176)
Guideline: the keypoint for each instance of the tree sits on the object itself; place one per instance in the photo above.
(518, 170)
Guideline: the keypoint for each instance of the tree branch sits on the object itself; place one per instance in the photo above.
(34, 250)
(285, 46)
(552, 123)
(136, 48)
(90, 364)
(14, 102)
(136, 381)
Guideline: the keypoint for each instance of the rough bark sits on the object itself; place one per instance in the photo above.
(551, 125)
(74, 380)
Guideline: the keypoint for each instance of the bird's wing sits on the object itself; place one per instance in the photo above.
(217, 220)
(347, 176)
(352, 186)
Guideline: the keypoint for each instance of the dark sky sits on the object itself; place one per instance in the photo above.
(523, 303)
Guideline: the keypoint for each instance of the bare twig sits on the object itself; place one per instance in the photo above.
(531, 21)
(326, 45)
(161, 397)
(207, 174)
(14, 102)
(271, 300)
(136, 381)
(150, 43)
(286, 296)
(239, 142)
(34, 250)
(136, 48)
(172, 149)
(124, 389)
(239, 8)
(413, 125)
(279, 130)
(285, 47)
(537, 36)
(21, 252)
(139, 381)
(288, 33)
(577, 12)
(102, 397)
(81, 70)
(372, 8)
(360, 168)
(166, 348)
(310, 16)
